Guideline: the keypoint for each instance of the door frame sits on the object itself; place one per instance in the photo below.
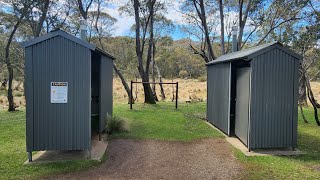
(235, 68)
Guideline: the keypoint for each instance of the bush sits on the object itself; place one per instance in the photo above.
(115, 124)
(202, 78)
(183, 74)
(195, 98)
(19, 94)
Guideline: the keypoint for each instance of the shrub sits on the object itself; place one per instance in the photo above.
(195, 98)
(183, 74)
(202, 78)
(19, 94)
(115, 124)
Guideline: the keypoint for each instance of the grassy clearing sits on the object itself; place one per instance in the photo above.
(163, 122)
(13, 152)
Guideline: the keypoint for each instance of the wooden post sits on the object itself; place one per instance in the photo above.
(131, 98)
(177, 95)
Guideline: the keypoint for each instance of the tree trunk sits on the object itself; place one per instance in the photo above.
(163, 95)
(10, 91)
(124, 83)
(222, 27)
(42, 19)
(173, 91)
(155, 67)
(84, 10)
(303, 91)
(9, 65)
(302, 114)
(206, 31)
(153, 74)
(312, 100)
(202, 15)
(148, 96)
(242, 20)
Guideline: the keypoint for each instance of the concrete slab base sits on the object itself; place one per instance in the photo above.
(98, 149)
(235, 142)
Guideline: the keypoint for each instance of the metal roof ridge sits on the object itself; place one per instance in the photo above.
(252, 52)
(60, 32)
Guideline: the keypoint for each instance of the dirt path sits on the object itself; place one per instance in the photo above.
(147, 159)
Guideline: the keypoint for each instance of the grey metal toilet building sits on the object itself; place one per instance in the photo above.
(253, 94)
(68, 81)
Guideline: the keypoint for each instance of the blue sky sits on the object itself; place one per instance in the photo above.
(173, 13)
(125, 22)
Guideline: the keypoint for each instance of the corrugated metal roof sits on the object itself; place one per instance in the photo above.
(66, 35)
(249, 53)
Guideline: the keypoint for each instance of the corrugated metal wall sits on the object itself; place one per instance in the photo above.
(274, 100)
(218, 95)
(58, 126)
(106, 72)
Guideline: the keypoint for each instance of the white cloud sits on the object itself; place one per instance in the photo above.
(174, 13)
(123, 24)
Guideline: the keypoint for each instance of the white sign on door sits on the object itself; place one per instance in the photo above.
(59, 92)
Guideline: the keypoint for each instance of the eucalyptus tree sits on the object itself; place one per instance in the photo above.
(305, 41)
(257, 20)
(144, 13)
(59, 16)
(37, 16)
(145, 8)
(162, 27)
(201, 19)
(15, 12)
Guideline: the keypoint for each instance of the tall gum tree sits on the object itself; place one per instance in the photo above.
(144, 71)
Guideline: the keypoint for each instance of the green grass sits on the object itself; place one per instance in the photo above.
(163, 122)
(13, 152)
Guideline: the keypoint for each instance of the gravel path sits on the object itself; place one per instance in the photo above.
(149, 159)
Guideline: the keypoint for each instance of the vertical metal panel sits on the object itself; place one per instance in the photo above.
(218, 91)
(295, 103)
(273, 100)
(29, 98)
(61, 126)
(242, 104)
(106, 82)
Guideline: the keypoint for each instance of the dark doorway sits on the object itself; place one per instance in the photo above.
(95, 92)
